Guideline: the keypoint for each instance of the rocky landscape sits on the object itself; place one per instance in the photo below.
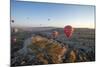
(36, 46)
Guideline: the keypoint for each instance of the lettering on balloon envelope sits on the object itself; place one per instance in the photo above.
(51, 33)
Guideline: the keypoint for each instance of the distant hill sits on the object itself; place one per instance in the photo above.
(37, 29)
(34, 28)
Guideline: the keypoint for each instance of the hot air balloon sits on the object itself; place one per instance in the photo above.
(15, 30)
(55, 34)
(48, 19)
(12, 21)
(27, 18)
(13, 39)
(68, 30)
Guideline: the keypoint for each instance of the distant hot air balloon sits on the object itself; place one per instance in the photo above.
(13, 39)
(55, 34)
(48, 19)
(68, 30)
(12, 21)
(27, 18)
(15, 30)
(40, 24)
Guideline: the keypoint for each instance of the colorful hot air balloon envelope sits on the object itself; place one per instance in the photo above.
(68, 30)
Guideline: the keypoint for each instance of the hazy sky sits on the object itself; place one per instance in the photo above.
(55, 15)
